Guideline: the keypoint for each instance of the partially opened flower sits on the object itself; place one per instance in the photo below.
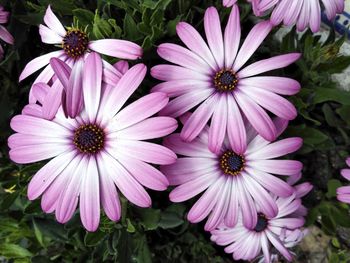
(302, 13)
(215, 78)
(98, 150)
(269, 232)
(4, 34)
(231, 182)
(67, 88)
(343, 192)
(74, 45)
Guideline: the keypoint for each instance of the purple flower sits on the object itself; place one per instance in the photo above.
(281, 232)
(229, 3)
(214, 78)
(75, 45)
(302, 13)
(99, 149)
(343, 192)
(4, 34)
(232, 182)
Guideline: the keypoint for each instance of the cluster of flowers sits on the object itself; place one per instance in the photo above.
(77, 117)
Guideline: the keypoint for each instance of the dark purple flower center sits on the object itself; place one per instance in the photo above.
(231, 163)
(75, 43)
(225, 80)
(262, 223)
(89, 138)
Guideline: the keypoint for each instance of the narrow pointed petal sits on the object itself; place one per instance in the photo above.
(236, 130)
(232, 37)
(74, 92)
(90, 197)
(53, 23)
(117, 48)
(129, 82)
(212, 26)
(255, 37)
(199, 119)
(91, 84)
(218, 126)
(141, 109)
(38, 63)
(193, 40)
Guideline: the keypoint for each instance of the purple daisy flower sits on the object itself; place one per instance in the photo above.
(214, 78)
(75, 45)
(231, 181)
(302, 13)
(98, 150)
(278, 232)
(4, 34)
(343, 192)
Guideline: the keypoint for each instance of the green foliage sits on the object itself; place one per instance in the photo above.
(162, 233)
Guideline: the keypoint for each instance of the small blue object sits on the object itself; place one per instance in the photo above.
(341, 22)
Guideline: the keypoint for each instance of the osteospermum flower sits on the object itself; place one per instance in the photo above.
(74, 45)
(343, 192)
(214, 78)
(98, 150)
(302, 13)
(4, 34)
(232, 182)
(277, 232)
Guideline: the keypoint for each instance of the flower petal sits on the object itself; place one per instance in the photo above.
(255, 37)
(38, 63)
(90, 197)
(92, 79)
(212, 26)
(116, 48)
(232, 37)
(279, 85)
(129, 82)
(183, 57)
(49, 36)
(141, 109)
(144, 151)
(269, 64)
(53, 23)
(129, 187)
(193, 40)
(150, 128)
(199, 119)
(218, 125)
(236, 130)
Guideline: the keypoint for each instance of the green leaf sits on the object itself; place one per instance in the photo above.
(172, 217)
(171, 27)
(333, 185)
(101, 27)
(130, 226)
(310, 135)
(150, 218)
(327, 94)
(85, 17)
(38, 234)
(91, 239)
(14, 251)
(130, 28)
